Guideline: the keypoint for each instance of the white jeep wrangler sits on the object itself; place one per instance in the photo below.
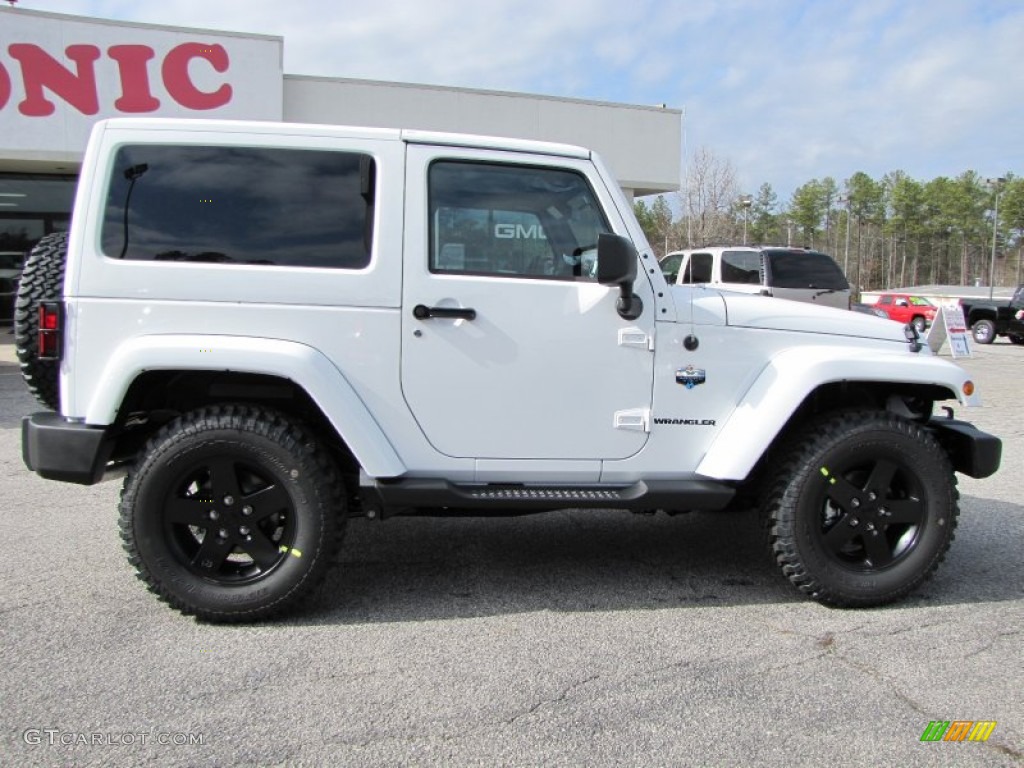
(273, 328)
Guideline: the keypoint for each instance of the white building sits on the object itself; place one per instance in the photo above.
(59, 74)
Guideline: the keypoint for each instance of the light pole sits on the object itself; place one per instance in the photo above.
(745, 202)
(997, 185)
(846, 255)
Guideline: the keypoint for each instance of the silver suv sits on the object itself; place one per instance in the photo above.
(797, 274)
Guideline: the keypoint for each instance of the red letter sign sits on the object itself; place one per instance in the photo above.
(135, 94)
(178, 83)
(5, 86)
(39, 70)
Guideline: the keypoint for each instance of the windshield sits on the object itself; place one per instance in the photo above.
(805, 269)
(670, 266)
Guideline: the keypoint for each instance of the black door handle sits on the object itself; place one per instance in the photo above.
(423, 312)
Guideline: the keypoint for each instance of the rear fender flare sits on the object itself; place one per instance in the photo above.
(300, 363)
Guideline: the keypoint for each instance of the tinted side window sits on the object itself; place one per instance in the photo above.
(806, 269)
(240, 205)
(741, 267)
(509, 221)
(698, 268)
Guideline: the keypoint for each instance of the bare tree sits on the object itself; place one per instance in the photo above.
(708, 200)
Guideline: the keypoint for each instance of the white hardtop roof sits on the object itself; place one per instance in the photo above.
(342, 131)
(703, 248)
(494, 142)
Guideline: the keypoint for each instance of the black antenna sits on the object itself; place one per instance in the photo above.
(132, 173)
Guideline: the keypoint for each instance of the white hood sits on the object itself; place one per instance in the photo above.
(749, 311)
(782, 315)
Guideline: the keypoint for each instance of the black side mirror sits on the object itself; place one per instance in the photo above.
(616, 265)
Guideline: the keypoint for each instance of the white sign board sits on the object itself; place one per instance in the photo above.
(949, 323)
(60, 74)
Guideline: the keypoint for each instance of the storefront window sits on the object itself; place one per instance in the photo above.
(20, 234)
(32, 206)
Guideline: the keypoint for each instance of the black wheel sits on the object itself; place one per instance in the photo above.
(42, 279)
(984, 331)
(863, 509)
(1015, 339)
(233, 513)
(919, 323)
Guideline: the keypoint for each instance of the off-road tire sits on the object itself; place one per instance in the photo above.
(232, 513)
(835, 541)
(919, 324)
(42, 279)
(1016, 339)
(983, 331)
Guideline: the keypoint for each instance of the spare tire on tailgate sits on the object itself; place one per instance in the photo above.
(42, 279)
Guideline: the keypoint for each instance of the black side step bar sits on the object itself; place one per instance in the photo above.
(383, 498)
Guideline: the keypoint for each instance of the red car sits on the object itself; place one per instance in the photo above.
(905, 308)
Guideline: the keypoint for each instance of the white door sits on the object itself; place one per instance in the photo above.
(510, 348)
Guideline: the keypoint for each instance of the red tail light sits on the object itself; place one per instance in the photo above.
(51, 320)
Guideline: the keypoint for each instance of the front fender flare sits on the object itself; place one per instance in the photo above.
(300, 363)
(792, 375)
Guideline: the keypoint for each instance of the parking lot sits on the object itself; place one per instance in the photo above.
(570, 638)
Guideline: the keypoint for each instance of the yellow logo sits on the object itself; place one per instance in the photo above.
(958, 730)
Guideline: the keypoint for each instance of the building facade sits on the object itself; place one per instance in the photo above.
(60, 74)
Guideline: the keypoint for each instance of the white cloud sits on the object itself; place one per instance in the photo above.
(932, 88)
(788, 90)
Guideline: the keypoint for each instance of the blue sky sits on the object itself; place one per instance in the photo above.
(786, 90)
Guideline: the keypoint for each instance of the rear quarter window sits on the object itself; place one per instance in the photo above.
(805, 269)
(240, 205)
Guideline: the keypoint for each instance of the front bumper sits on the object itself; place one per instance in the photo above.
(69, 451)
(973, 452)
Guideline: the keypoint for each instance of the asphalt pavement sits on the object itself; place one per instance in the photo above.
(583, 638)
